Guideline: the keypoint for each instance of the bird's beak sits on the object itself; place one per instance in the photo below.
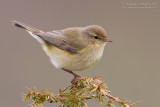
(107, 40)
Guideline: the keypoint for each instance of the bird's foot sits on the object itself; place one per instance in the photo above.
(75, 79)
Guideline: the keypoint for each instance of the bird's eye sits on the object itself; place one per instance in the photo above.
(95, 37)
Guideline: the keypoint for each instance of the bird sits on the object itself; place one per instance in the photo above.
(71, 49)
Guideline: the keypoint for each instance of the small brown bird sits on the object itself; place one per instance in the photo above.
(71, 49)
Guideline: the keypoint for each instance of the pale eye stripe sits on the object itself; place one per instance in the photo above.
(97, 35)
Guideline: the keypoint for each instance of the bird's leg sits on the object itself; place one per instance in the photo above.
(75, 75)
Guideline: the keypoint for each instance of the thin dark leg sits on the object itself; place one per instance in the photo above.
(75, 75)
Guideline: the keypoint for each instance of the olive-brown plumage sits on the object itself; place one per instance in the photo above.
(71, 49)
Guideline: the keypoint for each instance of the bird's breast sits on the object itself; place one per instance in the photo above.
(82, 60)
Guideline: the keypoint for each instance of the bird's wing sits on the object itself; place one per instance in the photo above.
(57, 39)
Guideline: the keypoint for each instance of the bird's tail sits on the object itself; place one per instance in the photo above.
(26, 27)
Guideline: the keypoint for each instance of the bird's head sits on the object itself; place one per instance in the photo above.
(96, 34)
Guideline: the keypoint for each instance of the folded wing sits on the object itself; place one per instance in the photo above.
(57, 39)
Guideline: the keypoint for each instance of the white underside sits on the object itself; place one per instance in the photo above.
(53, 61)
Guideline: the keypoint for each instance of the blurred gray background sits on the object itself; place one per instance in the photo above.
(130, 65)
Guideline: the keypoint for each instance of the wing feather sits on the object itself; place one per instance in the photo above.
(57, 39)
